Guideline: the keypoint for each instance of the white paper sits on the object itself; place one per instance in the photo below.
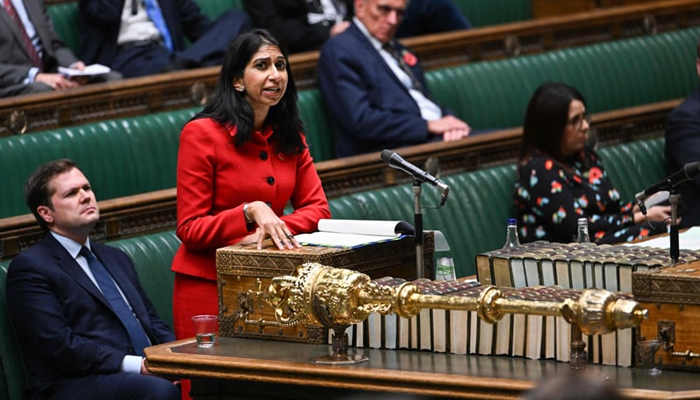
(90, 70)
(689, 240)
(350, 233)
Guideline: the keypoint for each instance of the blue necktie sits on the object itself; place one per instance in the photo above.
(156, 15)
(139, 339)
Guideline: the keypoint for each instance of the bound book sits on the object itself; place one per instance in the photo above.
(352, 233)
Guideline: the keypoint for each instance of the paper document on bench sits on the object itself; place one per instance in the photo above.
(350, 233)
(90, 70)
(689, 240)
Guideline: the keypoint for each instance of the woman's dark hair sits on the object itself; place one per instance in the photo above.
(229, 107)
(546, 118)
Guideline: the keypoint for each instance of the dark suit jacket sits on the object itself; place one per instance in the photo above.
(100, 21)
(287, 20)
(372, 110)
(14, 58)
(682, 147)
(64, 324)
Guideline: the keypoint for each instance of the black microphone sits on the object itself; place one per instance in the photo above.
(396, 161)
(686, 173)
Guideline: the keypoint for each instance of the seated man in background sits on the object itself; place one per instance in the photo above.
(374, 87)
(32, 52)
(145, 37)
(304, 25)
(682, 147)
(81, 316)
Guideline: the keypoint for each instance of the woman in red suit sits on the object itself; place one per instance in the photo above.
(240, 162)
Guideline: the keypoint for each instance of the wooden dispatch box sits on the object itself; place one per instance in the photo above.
(243, 273)
(672, 296)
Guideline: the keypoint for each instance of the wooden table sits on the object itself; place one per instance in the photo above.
(258, 369)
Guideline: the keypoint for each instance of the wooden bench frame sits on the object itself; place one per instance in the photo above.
(155, 211)
(176, 90)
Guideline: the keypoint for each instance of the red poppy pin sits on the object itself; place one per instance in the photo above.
(409, 58)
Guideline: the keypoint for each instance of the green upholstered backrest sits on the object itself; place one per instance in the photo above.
(610, 75)
(492, 12)
(473, 219)
(13, 377)
(319, 128)
(214, 8)
(120, 157)
(634, 166)
(66, 23)
(152, 255)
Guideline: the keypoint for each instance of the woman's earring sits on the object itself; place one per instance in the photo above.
(240, 88)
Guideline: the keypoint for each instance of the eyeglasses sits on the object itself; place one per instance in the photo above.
(577, 120)
(386, 10)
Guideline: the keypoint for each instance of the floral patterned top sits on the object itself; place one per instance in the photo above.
(550, 198)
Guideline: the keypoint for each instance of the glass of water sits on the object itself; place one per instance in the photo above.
(205, 329)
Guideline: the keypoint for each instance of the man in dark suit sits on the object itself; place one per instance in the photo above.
(77, 344)
(31, 51)
(682, 147)
(374, 87)
(145, 37)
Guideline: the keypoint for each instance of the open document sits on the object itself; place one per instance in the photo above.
(689, 240)
(90, 70)
(350, 233)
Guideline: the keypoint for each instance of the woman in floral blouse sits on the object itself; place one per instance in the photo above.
(561, 179)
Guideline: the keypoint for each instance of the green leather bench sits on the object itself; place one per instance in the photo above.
(152, 255)
(493, 12)
(611, 75)
(121, 157)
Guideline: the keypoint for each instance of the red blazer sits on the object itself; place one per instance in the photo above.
(215, 179)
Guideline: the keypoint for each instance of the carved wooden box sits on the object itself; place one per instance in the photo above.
(672, 297)
(244, 273)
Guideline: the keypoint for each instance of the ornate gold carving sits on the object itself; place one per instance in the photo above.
(17, 122)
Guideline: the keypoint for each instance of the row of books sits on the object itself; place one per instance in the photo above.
(572, 265)
(463, 332)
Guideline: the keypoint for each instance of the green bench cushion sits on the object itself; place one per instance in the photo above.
(120, 157)
(634, 166)
(492, 12)
(66, 23)
(610, 75)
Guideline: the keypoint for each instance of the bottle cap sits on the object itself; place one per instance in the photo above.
(512, 221)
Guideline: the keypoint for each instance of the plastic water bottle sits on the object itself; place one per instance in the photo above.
(512, 239)
(582, 231)
(445, 270)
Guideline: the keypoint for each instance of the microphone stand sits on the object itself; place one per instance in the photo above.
(675, 199)
(418, 227)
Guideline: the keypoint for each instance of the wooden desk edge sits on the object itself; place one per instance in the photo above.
(162, 360)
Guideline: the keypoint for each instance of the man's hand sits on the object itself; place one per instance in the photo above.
(449, 127)
(56, 81)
